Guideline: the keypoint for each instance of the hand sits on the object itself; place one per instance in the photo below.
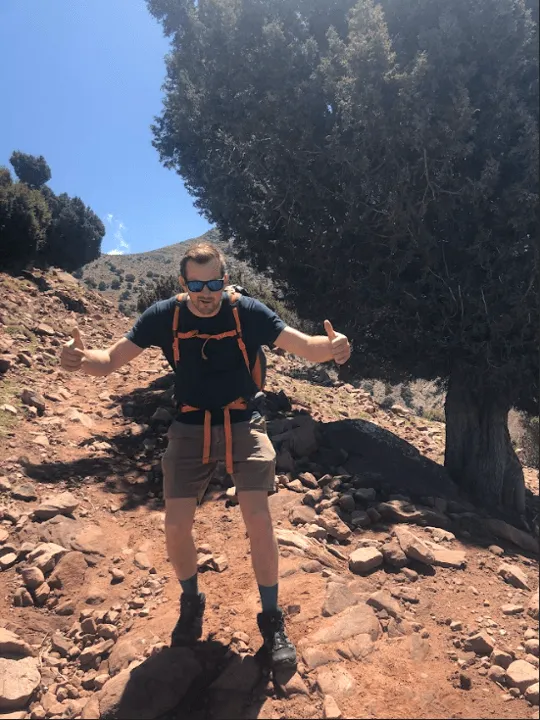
(341, 349)
(73, 352)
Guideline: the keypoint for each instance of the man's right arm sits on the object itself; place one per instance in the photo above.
(97, 362)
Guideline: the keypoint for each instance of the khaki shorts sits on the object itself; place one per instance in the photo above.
(185, 475)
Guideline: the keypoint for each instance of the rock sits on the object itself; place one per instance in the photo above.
(532, 694)
(296, 686)
(22, 598)
(142, 561)
(45, 555)
(90, 654)
(24, 491)
(497, 674)
(311, 548)
(333, 525)
(161, 415)
(308, 480)
(514, 576)
(402, 511)
(360, 519)
(108, 632)
(315, 531)
(365, 495)
(465, 681)
(60, 644)
(12, 645)
(481, 643)
(365, 559)
(440, 535)
(126, 650)
(19, 679)
(5, 485)
(521, 675)
(520, 538)
(8, 557)
(318, 656)
(347, 503)
(33, 399)
(148, 690)
(532, 607)
(393, 555)
(312, 497)
(532, 646)
(335, 680)
(331, 708)
(496, 550)
(95, 596)
(338, 597)
(302, 515)
(88, 626)
(448, 558)
(63, 504)
(41, 594)
(44, 329)
(410, 574)
(296, 486)
(32, 577)
(511, 609)
(357, 620)
(382, 600)
(117, 576)
(501, 658)
(65, 608)
(413, 547)
(70, 573)
(418, 647)
(240, 675)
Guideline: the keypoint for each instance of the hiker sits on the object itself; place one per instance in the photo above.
(211, 336)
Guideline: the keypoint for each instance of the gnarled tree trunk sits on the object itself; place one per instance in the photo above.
(479, 455)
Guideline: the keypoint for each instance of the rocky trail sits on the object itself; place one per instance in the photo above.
(403, 598)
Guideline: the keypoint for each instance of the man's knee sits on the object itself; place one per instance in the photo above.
(179, 515)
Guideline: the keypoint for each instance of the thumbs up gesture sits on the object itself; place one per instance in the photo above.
(73, 352)
(341, 349)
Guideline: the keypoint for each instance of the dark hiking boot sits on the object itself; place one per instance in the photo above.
(278, 649)
(188, 629)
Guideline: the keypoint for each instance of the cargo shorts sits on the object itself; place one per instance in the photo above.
(186, 476)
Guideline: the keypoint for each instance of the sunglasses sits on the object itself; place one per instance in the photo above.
(197, 286)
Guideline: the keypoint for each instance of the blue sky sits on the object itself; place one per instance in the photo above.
(80, 84)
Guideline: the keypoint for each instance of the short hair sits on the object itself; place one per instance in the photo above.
(202, 253)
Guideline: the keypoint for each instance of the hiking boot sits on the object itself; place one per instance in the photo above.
(188, 629)
(278, 648)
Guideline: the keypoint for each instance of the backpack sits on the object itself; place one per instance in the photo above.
(258, 372)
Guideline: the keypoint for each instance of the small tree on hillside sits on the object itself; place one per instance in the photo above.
(382, 162)
(30, 169)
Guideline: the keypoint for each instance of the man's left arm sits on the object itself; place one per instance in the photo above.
(317, 348)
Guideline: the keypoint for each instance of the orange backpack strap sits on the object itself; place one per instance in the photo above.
(234, 297)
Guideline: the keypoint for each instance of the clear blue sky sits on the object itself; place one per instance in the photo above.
(80, 84)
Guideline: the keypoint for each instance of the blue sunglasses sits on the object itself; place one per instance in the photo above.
(197, 286)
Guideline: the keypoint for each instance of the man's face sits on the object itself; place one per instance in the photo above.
(205, 302)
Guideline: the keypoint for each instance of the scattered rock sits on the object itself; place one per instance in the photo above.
(296, 686)
(335, 680)
(465, 681)
(24, 491)
(61, 644)
(19, 679)
(532, 607)
(12, 645)
(382, 600)
(41, 594)
(117, 576)
(302, 515)
(394, 555)
(532, 646)
(142, 561)
(309, 480)
(22, 598)
(8, 557)
(334, 525)
(481, 643)
(521, 675)
(89, 655)
(45, 555)
(32, 577)
(496, 550)
(69, 574)
(511, 609)
(331, 709)
(497, 674)
(508, 532)
(338, 597)
(448, 558)
(63, 504)
(318, 656)
(501, 658)
(357, 620)
(514, 576)
(33, 399)
(413, 547)
(532, 694)
(364, 560)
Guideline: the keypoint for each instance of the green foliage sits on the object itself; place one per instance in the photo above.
(149, 274)
(30, 169)
(125, 295)
(163, 288)
(74, 235)
(5, 177)
(90, 282)
(24, 218)
(380, 163)
(130, 277)
(115, 285)
(102, 285)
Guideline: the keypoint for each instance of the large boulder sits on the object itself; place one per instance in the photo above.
(19, 679)
(63, 504)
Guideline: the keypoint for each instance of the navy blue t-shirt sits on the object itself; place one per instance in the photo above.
(213, 381)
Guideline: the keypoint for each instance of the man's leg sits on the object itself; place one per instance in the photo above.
(265, 559)
(258, 522)
(179, 515)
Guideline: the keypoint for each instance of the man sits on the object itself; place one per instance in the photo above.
(212, 341)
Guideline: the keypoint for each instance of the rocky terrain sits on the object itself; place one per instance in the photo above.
(403, 598)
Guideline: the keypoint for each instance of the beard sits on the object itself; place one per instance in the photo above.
(207, 306)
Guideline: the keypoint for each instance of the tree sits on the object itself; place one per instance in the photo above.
(115, 285)
(75, 233)
(381, 161)
(30, 169)
(102, 285)
(130, 278)
(24, 218)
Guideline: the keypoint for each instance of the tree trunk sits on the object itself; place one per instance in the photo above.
(479, 455)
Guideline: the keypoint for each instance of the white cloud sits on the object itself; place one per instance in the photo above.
(121, 246)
